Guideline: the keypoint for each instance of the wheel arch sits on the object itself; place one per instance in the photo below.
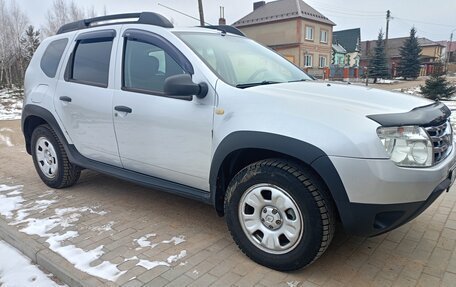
(242, 148)
(33, 116)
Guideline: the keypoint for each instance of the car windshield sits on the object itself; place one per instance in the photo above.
(241, 62)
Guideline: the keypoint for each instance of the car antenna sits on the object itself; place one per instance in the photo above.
(182, 13)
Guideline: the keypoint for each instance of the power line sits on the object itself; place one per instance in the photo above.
(422, 22)
(345, 12)
(340, 8)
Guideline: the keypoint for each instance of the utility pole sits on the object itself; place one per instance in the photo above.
(388, 17)
(200, 7)
(449, 51)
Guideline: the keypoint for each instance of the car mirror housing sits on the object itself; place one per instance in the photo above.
(183, 86)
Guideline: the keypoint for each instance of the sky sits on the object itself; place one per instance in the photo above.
(434, 20)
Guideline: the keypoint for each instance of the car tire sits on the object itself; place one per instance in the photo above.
(280, 214)
(50, 159)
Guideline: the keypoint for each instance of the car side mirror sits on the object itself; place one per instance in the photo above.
(182, 86)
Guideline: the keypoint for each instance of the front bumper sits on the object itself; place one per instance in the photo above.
(375, 219)
(382, 196)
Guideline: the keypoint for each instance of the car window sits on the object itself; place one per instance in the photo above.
(146, 66)
(51, 57)
(91, 62)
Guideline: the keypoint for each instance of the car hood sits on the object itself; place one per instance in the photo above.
(350, 98)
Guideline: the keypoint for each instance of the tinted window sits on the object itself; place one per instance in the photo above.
(51, 57)
(146, 67)
(91, 62)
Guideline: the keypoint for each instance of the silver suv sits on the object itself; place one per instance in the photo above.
(211, 115)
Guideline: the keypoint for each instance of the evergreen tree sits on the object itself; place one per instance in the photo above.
(378, 67)
(409, 65)
(30, 42)
(437, 87)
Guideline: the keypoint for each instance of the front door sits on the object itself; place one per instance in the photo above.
(157, 135)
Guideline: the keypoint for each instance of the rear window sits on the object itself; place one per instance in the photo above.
(51, 57)
(91, 62)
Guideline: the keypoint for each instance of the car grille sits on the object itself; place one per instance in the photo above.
(442, 139)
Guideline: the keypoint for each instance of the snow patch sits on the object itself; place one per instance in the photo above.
(46, 193)
(176, 240)
(6, 130)
(8, 204)
(4, 187)
(174, 258)
(16, 192)
(293, 283)
(81, 259)
(17, 270)
(144, 242)
(151, 264)
(63, 217)
(103, 228)
(6, 140)
(10, 105)
(41, 205)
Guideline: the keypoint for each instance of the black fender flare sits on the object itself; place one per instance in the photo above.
(302, 151)
(40, 112)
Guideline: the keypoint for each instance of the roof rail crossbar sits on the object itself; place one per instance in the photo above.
(150, 18)
(226, 29)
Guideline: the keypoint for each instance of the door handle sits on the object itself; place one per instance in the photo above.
(65, 99)
(123, 109)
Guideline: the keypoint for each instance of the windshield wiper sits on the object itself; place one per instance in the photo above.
(300, 80)
(248, 85)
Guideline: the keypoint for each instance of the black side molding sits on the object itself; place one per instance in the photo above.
(430, 115)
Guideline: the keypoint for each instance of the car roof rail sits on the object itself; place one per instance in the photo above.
(150, 18)
(226, 29)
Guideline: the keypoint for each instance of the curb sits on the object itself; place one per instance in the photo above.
(47, 259)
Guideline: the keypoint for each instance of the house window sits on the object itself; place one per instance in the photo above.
(323, 36)
(322, 62)
(308, 60)
(309, 33)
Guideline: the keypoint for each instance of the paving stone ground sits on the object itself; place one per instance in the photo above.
(420, 253)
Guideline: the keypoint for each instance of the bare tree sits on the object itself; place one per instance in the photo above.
(13, 22)
(63, 12)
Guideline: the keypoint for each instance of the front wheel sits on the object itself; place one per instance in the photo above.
(50, 159)
(279, 214)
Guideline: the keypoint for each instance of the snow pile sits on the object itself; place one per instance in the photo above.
(18, 271)
(10, 104)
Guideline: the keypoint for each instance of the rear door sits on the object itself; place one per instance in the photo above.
(84, 97)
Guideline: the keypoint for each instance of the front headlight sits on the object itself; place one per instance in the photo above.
(407, 146)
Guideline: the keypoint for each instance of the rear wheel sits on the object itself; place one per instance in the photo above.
(279, 214)
(50, 159)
